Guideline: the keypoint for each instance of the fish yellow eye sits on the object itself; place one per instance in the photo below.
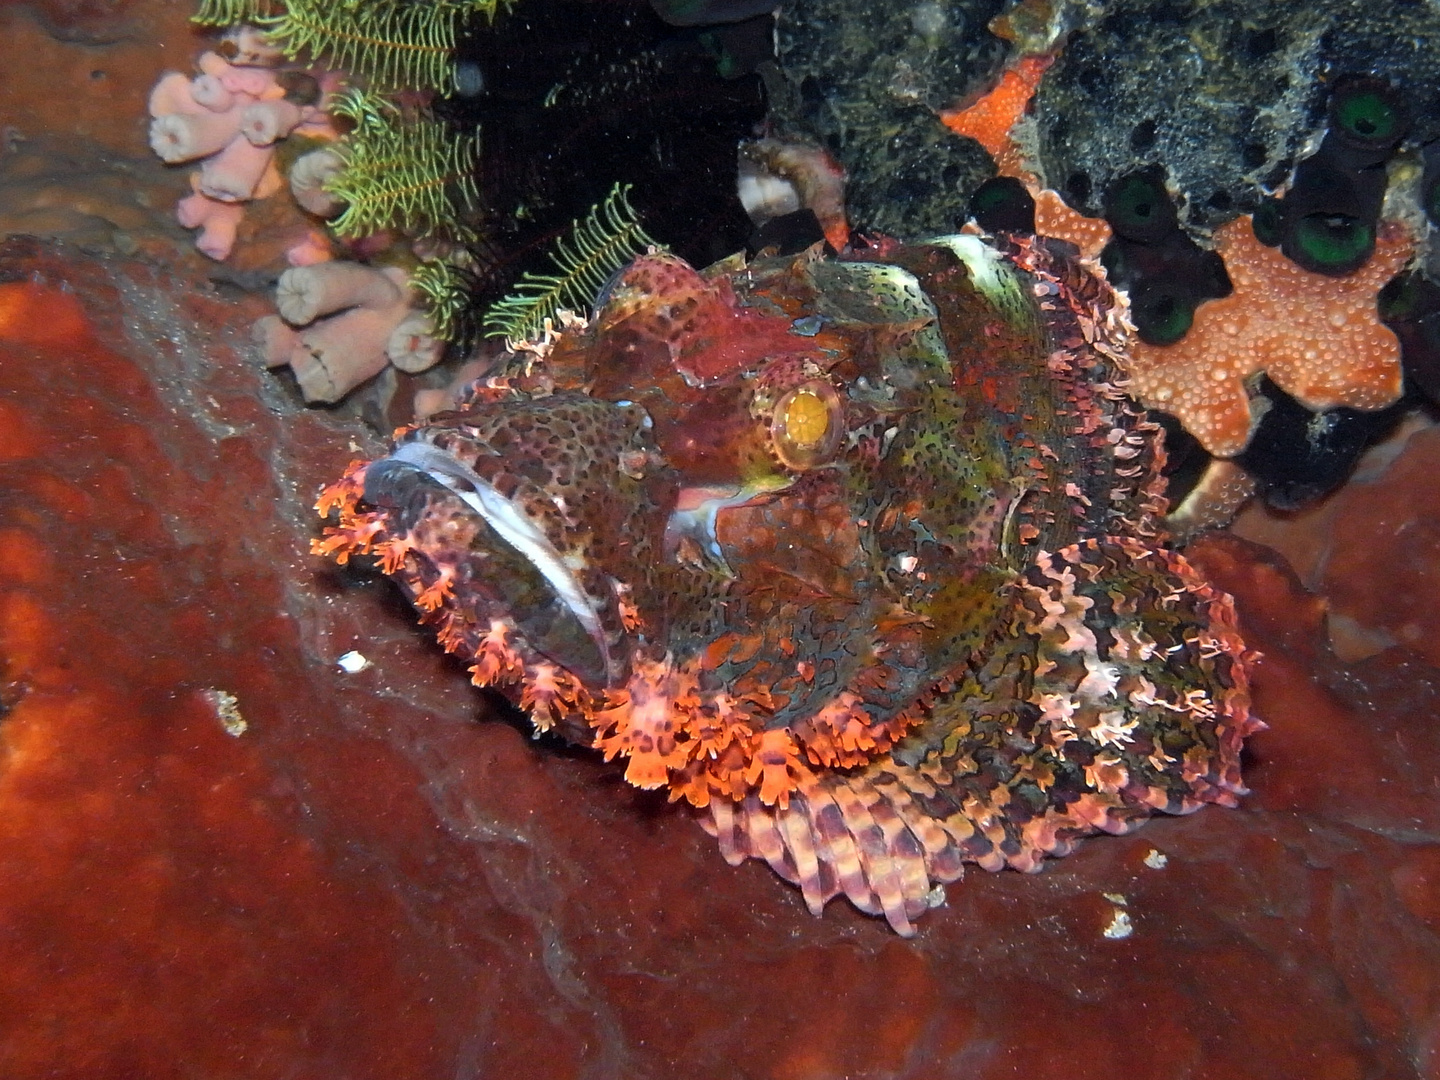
(807, 425)
(806, 419)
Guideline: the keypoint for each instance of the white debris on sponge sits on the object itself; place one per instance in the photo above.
(1120, 925)
(352, 663)
(227, 711)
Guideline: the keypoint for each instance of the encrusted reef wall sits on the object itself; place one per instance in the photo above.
(867, 87)
(1223, 95)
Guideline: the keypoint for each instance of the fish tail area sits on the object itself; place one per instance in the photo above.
(845, 835)
(1119, 691)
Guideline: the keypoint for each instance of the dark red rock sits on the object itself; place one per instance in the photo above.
(379, 878)
(82, 70)
(1372, 549)
(93, 22)
(1383, 571)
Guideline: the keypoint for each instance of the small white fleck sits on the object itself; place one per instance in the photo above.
(352, 663)
(227, 711)
(1120, 925)
(1156, 860)
(1116, 898)
(935, 897)
(928, 20)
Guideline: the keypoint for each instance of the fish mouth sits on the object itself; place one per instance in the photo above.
(510, 524)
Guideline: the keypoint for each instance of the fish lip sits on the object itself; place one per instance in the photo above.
(515, 528)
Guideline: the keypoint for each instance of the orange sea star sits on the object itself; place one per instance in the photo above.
(1319, 338)
(989, 120)
(1053, 217)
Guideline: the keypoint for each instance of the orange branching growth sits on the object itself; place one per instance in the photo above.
(438, 591)
(776, 765)
(393, 553)
(550, 693)
(646, 722)
(356, 537)
(450, 631)
(342, 495)
(843, 734)
(495, 660)
(704, 746)
(989, 120)
(1319, 338)
(357, 533)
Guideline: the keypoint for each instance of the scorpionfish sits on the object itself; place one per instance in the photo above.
(861, 557)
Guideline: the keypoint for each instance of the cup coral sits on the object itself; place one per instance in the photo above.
(352, 321)
(228, 118)
(217, 221)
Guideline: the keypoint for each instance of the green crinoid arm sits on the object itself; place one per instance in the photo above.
(391, 43)
(445, 288)
(408, 173)
(608, 238)
(230, 12)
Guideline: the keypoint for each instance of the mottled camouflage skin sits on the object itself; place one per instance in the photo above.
(862, 559)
